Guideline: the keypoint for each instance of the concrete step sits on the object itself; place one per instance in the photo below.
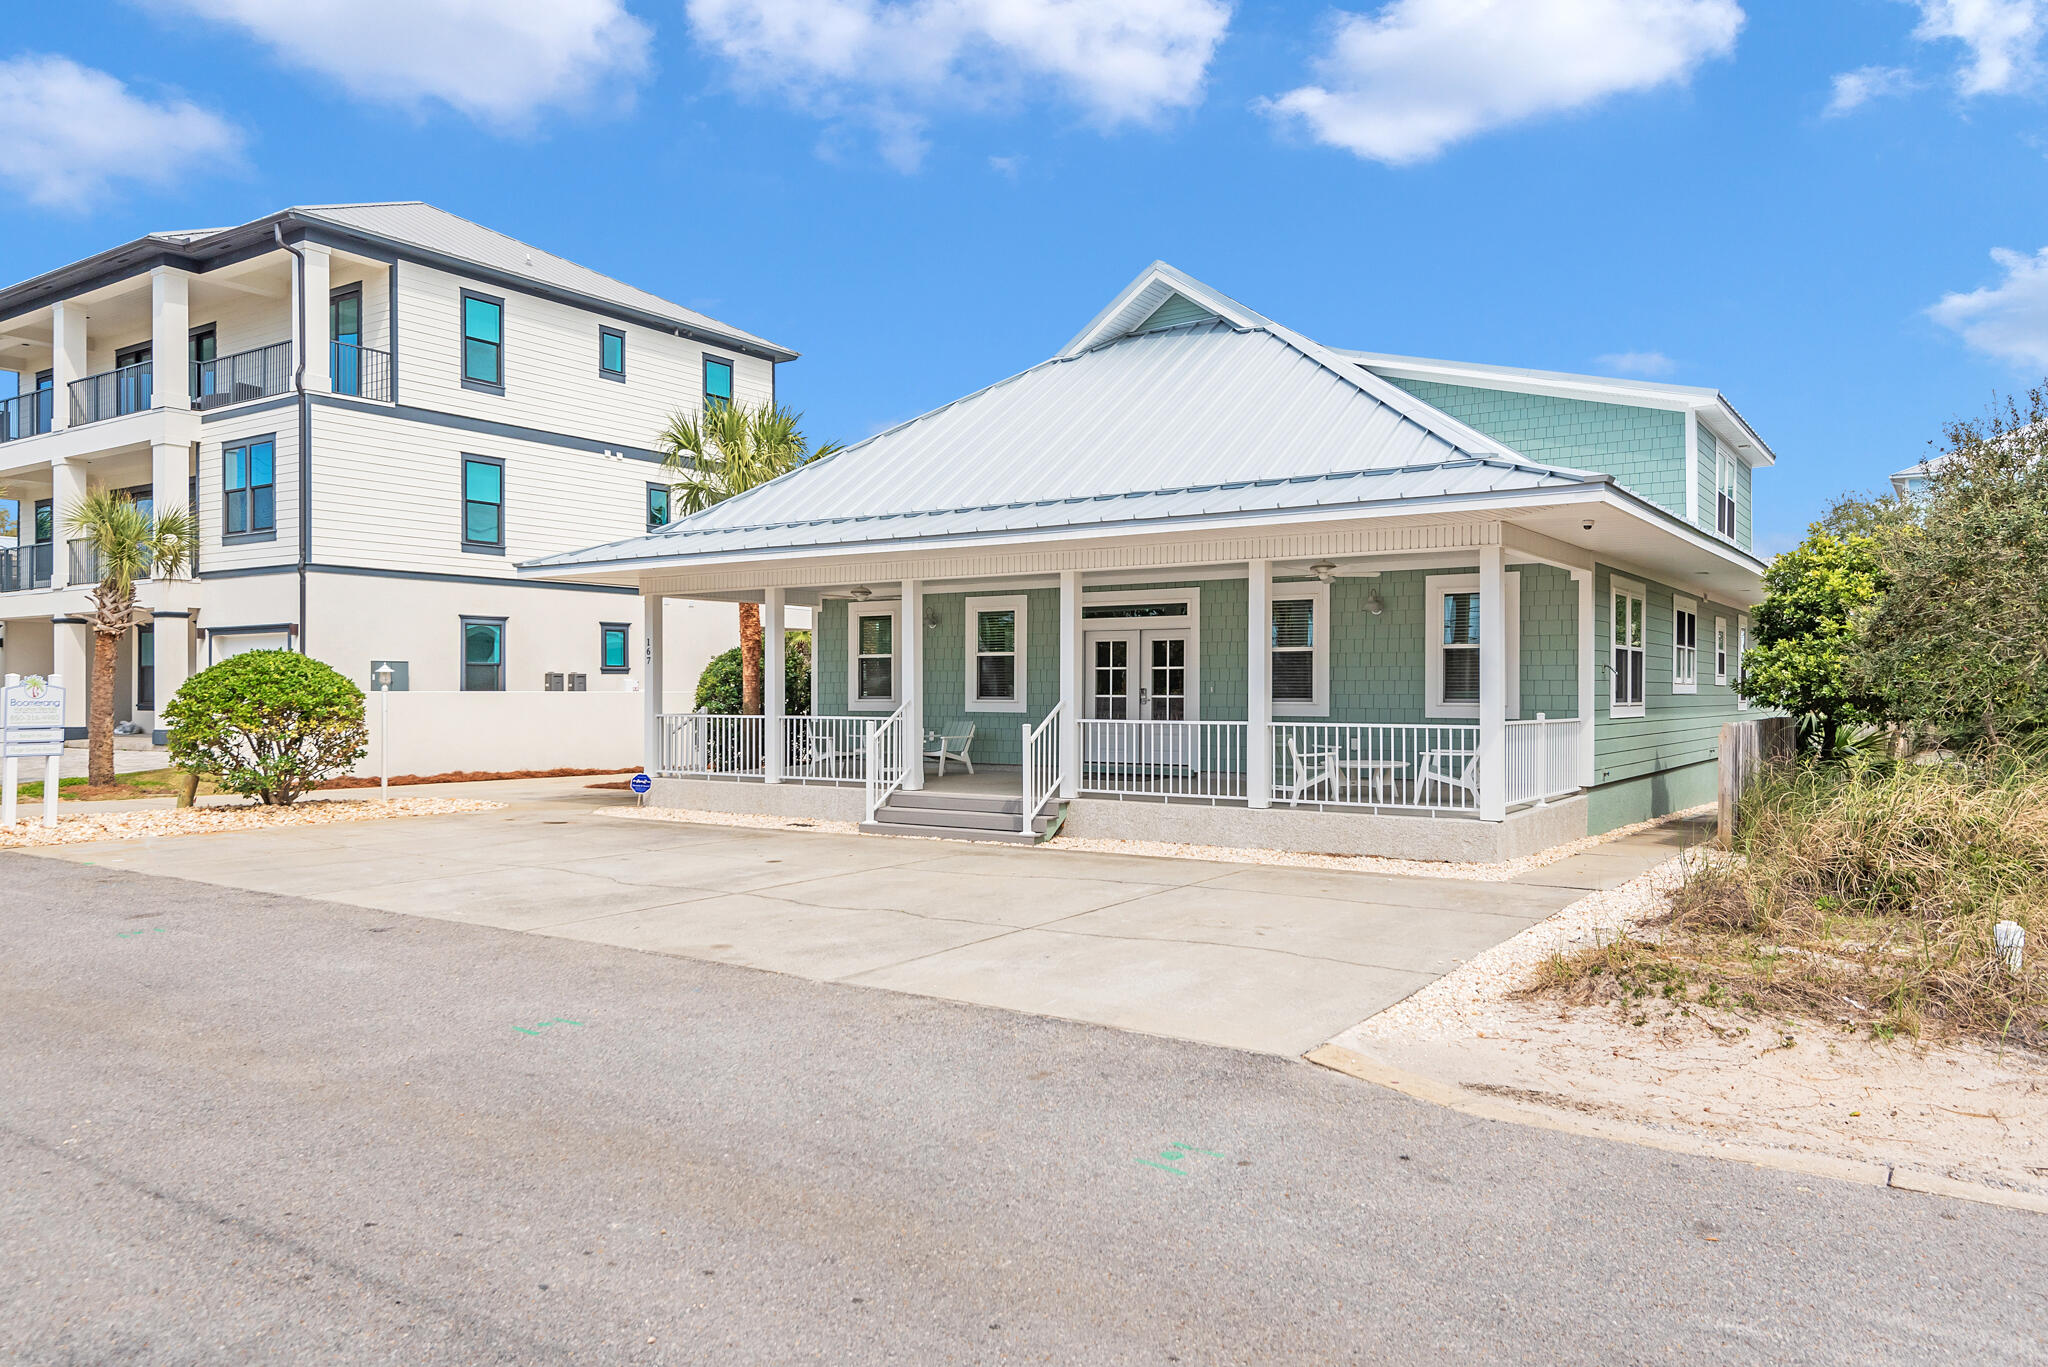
(957, 802)
(1009, 837)
(957, 820)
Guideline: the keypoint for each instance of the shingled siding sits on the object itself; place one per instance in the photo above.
(998, 736)
(1710, 473)
(1643, 448)
(1665, 760)
(1550, 642)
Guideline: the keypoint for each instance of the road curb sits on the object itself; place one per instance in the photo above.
(1449, 1095)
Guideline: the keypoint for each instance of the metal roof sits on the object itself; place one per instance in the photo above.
(1200, 421)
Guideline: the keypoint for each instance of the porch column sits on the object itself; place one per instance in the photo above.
(170, 334)
(1493, 684)
(1258, 684)
(650, 682)
(173, 637)
(1070, 684)
(1589, 673)
(910, 623)
(72, 658)
(67, 358)
(170, 482)
(318, 272)
(773, 681)
(67, 487)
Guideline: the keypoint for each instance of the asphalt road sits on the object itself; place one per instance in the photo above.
(237, 1127)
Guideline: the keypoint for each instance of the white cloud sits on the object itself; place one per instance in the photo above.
(74, 133)
(1648, 364)
(1404, 82)
(893, 64)
(1854, 89)
(2008, 320)
(2003, 36)
(498, 61)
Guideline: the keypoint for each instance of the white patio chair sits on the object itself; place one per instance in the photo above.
(940, 748)
(1456, 769)
(1315, 770)
(824, 756)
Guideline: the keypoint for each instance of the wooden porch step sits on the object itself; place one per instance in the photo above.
(961, 816)
(956, 802)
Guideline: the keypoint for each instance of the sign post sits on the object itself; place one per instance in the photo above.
(31, 727)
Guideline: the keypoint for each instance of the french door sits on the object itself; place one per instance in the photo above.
(1139, 675)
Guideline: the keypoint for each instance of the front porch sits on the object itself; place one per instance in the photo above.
(1351, 705)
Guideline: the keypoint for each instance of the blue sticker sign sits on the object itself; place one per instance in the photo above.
(640, 784)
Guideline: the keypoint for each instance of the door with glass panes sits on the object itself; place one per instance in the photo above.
(1139, 675)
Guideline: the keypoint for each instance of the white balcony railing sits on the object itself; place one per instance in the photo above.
(1396, 765)
(1542, 759)
(1197, 761)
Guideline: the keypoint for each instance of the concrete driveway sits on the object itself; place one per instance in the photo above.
(1275, 960)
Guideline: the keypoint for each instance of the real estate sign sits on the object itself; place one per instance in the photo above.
(31, 727)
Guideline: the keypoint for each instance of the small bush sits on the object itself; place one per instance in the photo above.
(268, 724)
(718, 687)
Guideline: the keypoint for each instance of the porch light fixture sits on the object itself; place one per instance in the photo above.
(1323, 570)
(931, 619)
(860, 594)
(1374, 604)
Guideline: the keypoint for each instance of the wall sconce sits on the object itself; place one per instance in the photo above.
(1374, 604)
(931, 618)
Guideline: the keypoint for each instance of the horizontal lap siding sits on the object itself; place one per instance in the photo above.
(282, 424)
(1743, 476)
(389, 491)
(550, 365)
(1678, 729)
(1643, 448)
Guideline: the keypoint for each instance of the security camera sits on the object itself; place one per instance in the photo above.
(1587, 525)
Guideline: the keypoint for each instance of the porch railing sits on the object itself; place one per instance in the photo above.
(1201, 761)
(1542, 759)
(700, 745)
(26, 415)
(111, 393)
(258, 373)
(890, 753)
(1418, 766)
(83, 560)
(826, 749)
(362, 371)
(1041, 767)
(26, 567)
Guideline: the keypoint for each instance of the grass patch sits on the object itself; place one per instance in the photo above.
(1864, 892)
(148, 783)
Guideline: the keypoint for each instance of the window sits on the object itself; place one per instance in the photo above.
(611, 353)
(1720, 650)
(612, 657)
(995, 654)
(249, 489)
(1741, 653)
(1625, 698)
(1451, 638)
(483, 504)
(483, 655)
(1299, 647)
(205, 351)
(145, 668)
(871, 662)
(657, 506)
(717, 382)
(1724, 495)
(1685, 654)
(483, 342)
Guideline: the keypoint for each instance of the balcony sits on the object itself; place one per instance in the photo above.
(360, 371)
(111, 393)
(258, 373)
(26, 415)
(26, 567)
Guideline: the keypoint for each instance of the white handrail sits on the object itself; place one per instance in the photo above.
(886, 769)
(1042, 767)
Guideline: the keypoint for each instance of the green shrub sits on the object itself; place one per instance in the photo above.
(718, 687)
(268, 724)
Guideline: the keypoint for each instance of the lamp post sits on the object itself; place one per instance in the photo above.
(383, 673)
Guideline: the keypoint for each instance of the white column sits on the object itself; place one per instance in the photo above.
(318, 276)
(910, 625)
(170, 332)
(650, 679)
(170, 480)
(1493, 683)
(1258, 710)
(73, 660)
(67, 487)
(67, 361)
(1589, 673)
(1070, 684)
(773, 681)
(173, 662)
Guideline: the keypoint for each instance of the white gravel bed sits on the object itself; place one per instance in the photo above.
(85, 828)
(1367, 863)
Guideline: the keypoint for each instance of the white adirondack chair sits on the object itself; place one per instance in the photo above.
(1317, 769)
(941, 748)
(1454, 769)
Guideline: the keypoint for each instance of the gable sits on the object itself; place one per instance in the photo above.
(1177, 309)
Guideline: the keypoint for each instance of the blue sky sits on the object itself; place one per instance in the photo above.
(1796, 203)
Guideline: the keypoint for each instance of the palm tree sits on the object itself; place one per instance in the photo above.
(127, 544)
(728, 451)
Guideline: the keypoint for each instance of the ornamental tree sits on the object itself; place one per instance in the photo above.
(719, 688)
(1804, 657)
(268, 724)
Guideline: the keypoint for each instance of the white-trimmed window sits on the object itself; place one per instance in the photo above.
(1724, 493)
(1720, 650)
(1300, 649)
(1626, 627)
(872, 653)
(1685, 646)
(1451, 644)
(1741, 651)
(996, 635)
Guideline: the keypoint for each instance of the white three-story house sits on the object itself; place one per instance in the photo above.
(375, 412)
